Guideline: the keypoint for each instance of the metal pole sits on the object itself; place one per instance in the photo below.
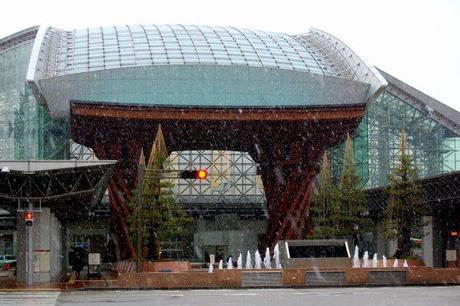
(29, 252)
(140, 179)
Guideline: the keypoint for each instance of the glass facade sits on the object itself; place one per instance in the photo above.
(26, 128)
(178, 65)
(360, 151)
(205, 86)
(94, 49)
(451, 156)
(434, 148)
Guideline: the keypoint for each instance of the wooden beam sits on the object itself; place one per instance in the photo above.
(212, 114)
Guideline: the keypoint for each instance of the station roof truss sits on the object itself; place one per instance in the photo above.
(17, 39)
(232, 180)
(445, 115)
(52, 183)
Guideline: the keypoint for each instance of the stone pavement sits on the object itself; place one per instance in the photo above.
(28, 297)
(383, 296)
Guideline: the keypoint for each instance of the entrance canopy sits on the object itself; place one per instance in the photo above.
(69, 187)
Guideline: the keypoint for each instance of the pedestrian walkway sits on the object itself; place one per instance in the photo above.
(28, 297)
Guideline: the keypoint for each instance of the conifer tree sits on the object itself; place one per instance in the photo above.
(405, 209)
(340, 210)
(324, 207)
(353, 217)
(161, 218)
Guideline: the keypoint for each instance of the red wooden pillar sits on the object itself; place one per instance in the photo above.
(288, 173)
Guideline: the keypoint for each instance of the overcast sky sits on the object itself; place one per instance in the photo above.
(416, 41)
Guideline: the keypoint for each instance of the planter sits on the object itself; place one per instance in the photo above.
(166, 266)
(415, 262)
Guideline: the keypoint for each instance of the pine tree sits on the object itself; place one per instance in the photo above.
(405, 209)
(324, 207)
(161, 218)
(340, 211)
(352, 212)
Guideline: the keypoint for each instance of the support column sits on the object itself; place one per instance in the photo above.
(65, 248)
(380, 240)
(47, 248)
(21, 249)
(433, 251)
(288, 172)
(120, 186)
(427, 241)
(15, 242)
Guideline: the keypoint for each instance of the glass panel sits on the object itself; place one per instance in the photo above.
(207, 44)
(26, 128)
(434, 148)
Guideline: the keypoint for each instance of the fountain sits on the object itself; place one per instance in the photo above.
(395, 263)
(248, 261)
(405, 265)
(276, 255)
(258, 260)
(221, 264)
(239, 263)
(356, 262)
(230, 263)
(366, 260)
(267, 260)
(384, 260)
(211, 268)
(374, 261)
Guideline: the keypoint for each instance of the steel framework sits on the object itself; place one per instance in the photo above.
(430, 143)
(59, 185)
(232, 177)
(432, 131)
(27, 130)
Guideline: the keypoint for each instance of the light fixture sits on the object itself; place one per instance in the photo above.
(5, 169)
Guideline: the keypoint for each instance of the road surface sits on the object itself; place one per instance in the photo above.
(411, 296)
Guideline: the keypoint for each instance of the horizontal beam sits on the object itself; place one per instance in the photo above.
(217, 114)
(47, 198)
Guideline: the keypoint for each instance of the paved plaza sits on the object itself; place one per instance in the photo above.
(376, 296)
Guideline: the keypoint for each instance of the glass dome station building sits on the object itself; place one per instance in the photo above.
(282, 99)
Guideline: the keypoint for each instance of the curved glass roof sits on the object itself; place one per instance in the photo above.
(127, 46)
(196, 66)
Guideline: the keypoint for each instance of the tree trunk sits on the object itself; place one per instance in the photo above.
(404, 243)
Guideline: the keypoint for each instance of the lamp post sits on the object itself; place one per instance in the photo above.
(29, 251)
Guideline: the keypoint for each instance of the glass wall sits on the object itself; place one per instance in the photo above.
(360, 150)
(451, 156)
(434, 148)
(203, 86)
(137, 45)
(26, 129)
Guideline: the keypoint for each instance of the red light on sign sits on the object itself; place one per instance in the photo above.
(454, 233)
(201, 174)
(194, 174)
(29, 218)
